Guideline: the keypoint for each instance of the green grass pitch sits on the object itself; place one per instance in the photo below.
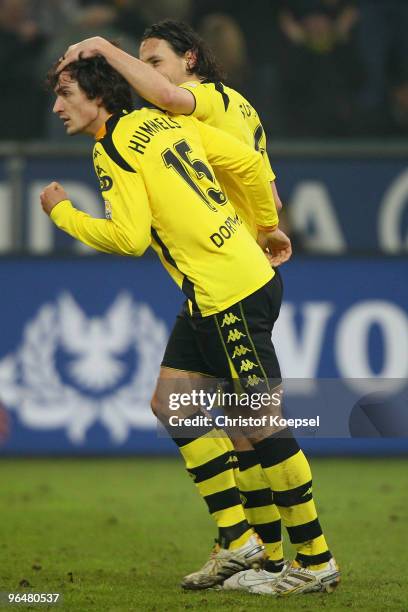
(118, 534)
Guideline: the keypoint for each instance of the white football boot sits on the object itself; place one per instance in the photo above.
(296, 580)
(242, 581)
(224, 563)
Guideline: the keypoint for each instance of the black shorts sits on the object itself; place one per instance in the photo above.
(235, 343)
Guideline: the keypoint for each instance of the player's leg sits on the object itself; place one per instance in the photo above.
(183, 353)
(257, 500)
(249, 354)
(290, 477)
(261, 513)
(285, 465)
(208, 460)
(288, 471)
(207, 457)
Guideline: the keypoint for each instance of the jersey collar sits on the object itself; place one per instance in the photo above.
(103, 129)
(109, 125)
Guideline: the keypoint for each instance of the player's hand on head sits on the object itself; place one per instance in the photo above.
(276, 246)
(82, 50)
(51, 196)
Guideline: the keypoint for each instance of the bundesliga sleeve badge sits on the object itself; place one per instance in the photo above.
(108, 210)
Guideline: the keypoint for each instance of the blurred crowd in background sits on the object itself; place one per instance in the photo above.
(312, 68)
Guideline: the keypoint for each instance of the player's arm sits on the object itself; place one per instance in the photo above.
(146, 81)
(272, 181)
(260, 145)
(126, 232)
(277, 200)
(228, 153)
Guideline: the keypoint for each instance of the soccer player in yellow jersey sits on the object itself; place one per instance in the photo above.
(175, 51)
(179, 57)
(186, 80)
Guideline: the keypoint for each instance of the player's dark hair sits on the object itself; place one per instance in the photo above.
(182, 38)
(97, 79)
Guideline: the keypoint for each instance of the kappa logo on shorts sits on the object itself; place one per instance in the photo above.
(241, 350)
(72, 371)
(230, 319)
(234, 335)
(247, 365)
(253, 380)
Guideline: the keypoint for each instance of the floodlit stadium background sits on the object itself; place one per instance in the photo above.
(329, 79)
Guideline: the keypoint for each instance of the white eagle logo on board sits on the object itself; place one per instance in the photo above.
(72, 371)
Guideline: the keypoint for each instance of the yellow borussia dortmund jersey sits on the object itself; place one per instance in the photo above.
(225, 108)
(158, 185)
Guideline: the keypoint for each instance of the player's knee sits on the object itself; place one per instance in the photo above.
(155, 405)
(159, 407)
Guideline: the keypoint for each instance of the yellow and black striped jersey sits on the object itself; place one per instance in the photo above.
(156, 178)
(224, 108)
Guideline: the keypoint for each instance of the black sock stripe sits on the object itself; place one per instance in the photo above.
(247, 459)
(181, 441)
(223, 499)
(306, 560)
(277, 448)
(228, 534)
(305, 532)
(293, 497)
(215, 466)
(256, 499)
(270, 533)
